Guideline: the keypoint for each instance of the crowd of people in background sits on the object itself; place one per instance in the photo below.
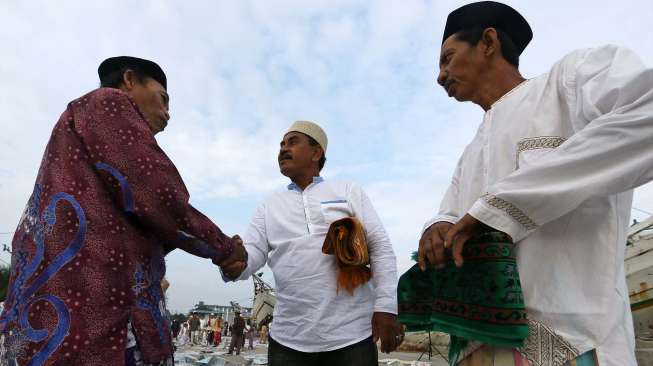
(209, 331)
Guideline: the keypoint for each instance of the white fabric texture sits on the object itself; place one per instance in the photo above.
(553, 165)
(287, 231)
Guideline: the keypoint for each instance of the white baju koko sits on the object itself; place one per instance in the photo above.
(553, 165)
(287, 231)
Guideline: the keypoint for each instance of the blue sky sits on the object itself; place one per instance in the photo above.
(240, 72)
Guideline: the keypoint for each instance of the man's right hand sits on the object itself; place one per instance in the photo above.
(236, 263)
(431, 245)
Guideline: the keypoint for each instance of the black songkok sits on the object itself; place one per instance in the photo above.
(486, 14)
(142, 66)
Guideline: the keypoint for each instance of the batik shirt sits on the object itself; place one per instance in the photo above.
(88, 253)
(553, 165)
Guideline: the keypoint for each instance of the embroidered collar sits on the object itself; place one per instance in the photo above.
(503, 97)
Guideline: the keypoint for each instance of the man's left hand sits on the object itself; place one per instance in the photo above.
(386, 328)
(468, 227)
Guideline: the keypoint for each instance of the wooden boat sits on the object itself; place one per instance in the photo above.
(264, 301)
(639, 277)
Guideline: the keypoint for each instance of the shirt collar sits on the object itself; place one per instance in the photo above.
(294, 187)
(511, 91)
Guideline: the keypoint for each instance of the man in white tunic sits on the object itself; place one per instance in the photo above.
(553, 165)
(313, 323)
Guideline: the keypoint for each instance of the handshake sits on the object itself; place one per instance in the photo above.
(235, 264)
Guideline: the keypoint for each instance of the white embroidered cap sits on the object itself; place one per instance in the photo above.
(311, 129)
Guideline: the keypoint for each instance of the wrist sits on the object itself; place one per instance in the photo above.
(228, 248)
(384, 313)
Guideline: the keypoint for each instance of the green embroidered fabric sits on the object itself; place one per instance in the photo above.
(481, 301)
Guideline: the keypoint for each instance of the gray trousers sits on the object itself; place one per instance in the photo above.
(237, 341)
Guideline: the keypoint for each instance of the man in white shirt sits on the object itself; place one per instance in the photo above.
(553, 165)
(313, 323)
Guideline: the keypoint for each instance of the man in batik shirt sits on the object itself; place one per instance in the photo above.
(107, 206)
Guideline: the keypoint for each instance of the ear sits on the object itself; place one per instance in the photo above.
(129, 79)
(490, 40)
(317, 153)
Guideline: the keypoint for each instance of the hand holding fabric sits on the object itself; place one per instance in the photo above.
(386, 328)
(431, 245)
(468, 227)
(236, 263)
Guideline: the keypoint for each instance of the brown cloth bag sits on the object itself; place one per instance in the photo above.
(346, 240)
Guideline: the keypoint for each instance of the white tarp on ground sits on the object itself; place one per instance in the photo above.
(257, 359)
(190, 358)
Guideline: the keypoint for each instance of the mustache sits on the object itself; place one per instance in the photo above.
(283, 156)
(447, 83)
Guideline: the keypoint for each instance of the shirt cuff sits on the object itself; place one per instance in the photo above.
(245, 275)
(440, 218)
(386, 305)
(502, 216)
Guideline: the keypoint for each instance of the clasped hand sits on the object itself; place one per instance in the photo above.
(442, 235)
(236, 263)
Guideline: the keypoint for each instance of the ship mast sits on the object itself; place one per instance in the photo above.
(261, 286)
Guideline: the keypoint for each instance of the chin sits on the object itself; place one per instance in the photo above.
(460, 98)
(284, 171)
(459, 95)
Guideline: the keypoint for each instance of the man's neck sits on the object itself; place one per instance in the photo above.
(304, 180)
(500, 81)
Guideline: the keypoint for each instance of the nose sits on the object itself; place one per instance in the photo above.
(166, 115)
(283, 150)
(442, 77)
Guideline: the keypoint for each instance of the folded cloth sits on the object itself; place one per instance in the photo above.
(481, 301)
(346, 240)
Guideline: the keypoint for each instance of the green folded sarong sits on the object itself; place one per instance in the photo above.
(481, 301)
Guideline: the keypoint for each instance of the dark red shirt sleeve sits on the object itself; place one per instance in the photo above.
(141, 178)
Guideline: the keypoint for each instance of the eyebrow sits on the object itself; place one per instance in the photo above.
(165, 96)
(291, 138)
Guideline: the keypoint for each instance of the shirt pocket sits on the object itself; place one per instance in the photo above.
(336, 209)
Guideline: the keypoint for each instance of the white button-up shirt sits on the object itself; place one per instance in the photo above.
(287, 231)
(553, 165)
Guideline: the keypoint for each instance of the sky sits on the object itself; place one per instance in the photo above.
(240, 72)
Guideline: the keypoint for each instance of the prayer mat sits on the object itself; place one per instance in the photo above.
(346, 240)
(481, 301)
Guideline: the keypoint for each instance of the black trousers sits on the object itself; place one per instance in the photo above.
(363, 353)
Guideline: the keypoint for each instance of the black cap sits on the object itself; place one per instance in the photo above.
(486, 14)
(146, 67)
